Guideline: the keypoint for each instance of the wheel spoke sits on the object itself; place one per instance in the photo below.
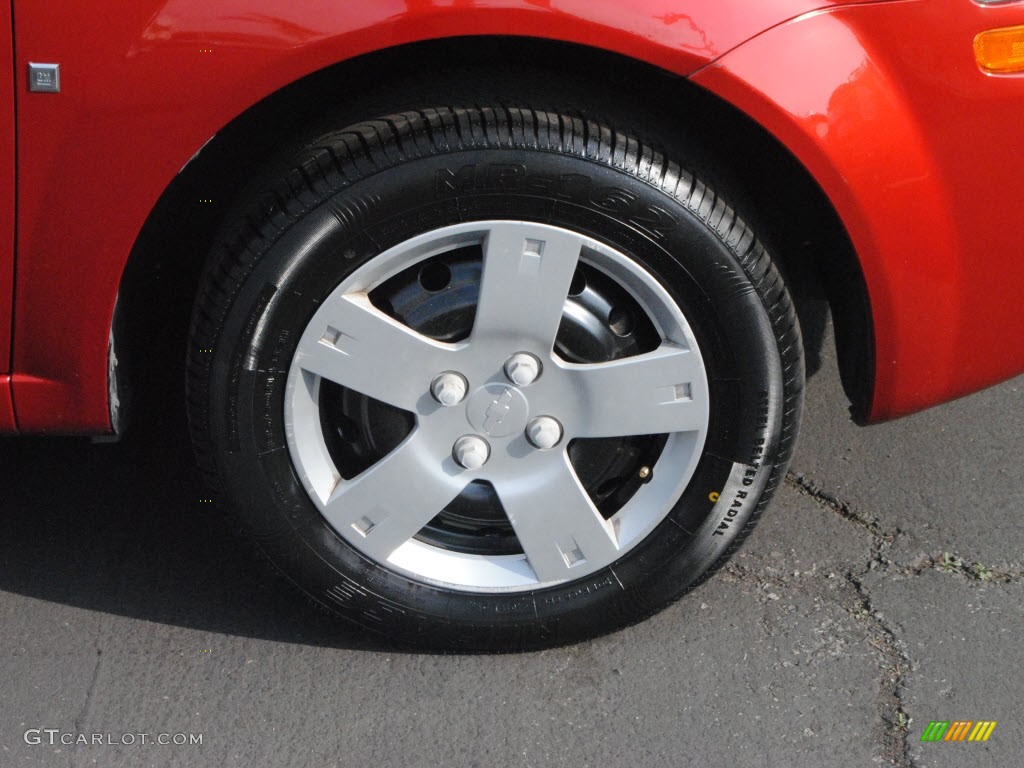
(526, 276)
(557, 524)
(388, 504)
(654, 393)
(358, 346)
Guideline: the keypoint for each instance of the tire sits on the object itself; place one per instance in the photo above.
(398, 264)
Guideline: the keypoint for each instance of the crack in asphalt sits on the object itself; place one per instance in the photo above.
(954, 565)
(946, 562)
(847, 589)
(848, 592)
(89, 693)
(892, 741)
(77, 757)
(891, 738)
(891, 728)
(807, 487)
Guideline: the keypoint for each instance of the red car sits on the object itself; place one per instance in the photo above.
(493, 340)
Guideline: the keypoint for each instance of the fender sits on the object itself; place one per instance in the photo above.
(146, 84)
(890, 134)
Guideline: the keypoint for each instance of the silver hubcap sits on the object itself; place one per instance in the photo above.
(500, 406)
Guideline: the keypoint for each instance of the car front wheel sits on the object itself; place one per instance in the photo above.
(492, 378)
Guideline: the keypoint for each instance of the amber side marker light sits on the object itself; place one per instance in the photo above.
(1000, 50)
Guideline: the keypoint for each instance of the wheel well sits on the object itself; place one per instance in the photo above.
(764, 181)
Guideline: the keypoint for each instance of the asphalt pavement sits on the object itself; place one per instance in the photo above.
(882, 591)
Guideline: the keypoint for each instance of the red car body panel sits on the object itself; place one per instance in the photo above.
(147, 84)
(7, 158)
(919, 152)
(8, 424)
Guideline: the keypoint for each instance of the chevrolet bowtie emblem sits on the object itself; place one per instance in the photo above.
(497, 411)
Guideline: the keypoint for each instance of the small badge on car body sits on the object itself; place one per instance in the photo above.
(44, 78)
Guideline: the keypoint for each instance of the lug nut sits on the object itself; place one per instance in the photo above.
(471, 452)
(522, 369)
(544, 432)
(449, 388)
